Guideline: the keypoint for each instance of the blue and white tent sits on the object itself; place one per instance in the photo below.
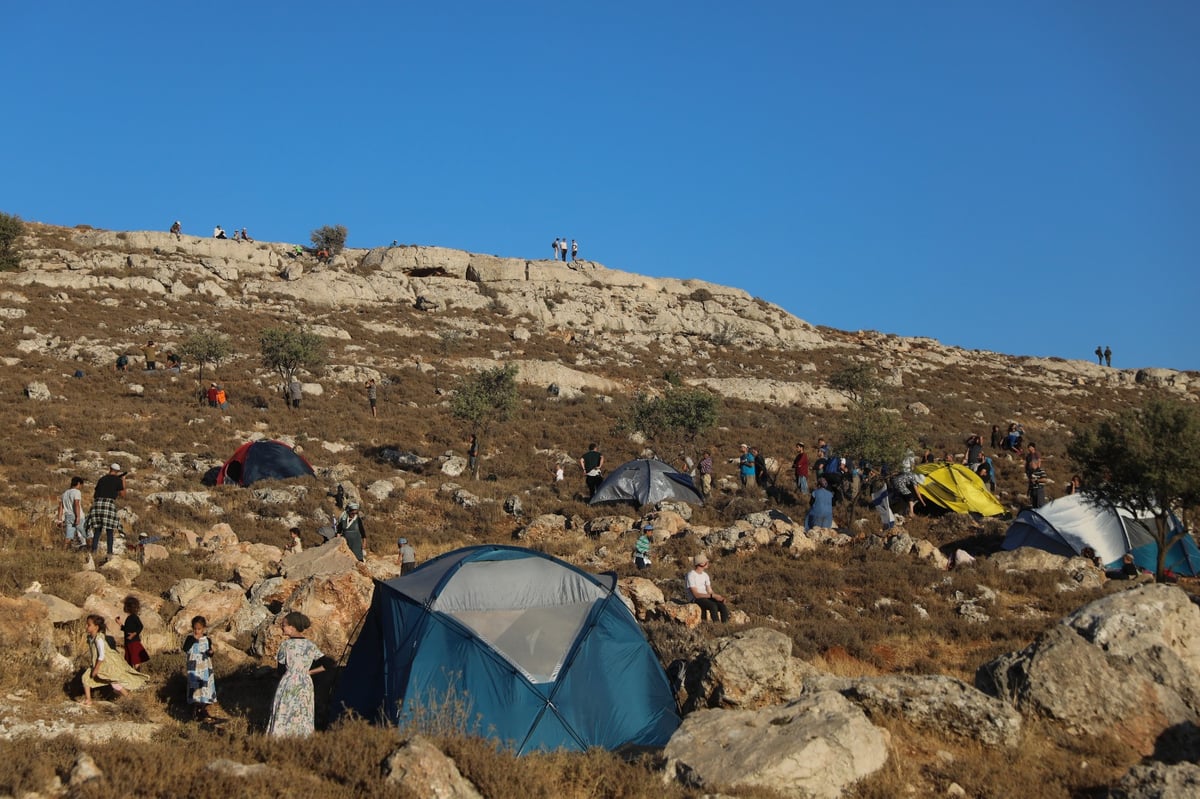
(1067, 525)
(536, 653)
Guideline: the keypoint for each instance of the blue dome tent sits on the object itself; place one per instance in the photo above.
(538, 654)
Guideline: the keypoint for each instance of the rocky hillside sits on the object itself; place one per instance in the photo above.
(856, 663)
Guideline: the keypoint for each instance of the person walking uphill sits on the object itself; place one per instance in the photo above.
(103, 516)
(70, 515)
(350, 527)
(592, 463)
(293, 713)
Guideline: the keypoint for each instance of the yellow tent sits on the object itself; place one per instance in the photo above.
(957, 488)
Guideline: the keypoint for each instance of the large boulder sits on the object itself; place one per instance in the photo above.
(217, 606)
(332, 557)
(816, 746)
(335, 603)
(751, 668)
(59, 610)
(1126, 665)
(940, 704)
(644, 595)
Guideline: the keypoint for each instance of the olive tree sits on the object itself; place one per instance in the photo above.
(485, 400)
(287, 350)
(677, 417)
(205, 346)
(330, 237)
(1146, 461)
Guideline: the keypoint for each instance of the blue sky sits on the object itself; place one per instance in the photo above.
(1021, 177)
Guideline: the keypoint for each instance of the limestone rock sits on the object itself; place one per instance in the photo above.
(335, 602)
(332, 557)
(38, 391)
(816, 746)
(60, 611)
(454, 466)
(84, 769)
(122, 571)
(232, 768)
(1127, 664)
(218, 606)
(424, 770)
(645, 596)
(188, 589)
(751, 668)
(1159, 781)
(940, 704)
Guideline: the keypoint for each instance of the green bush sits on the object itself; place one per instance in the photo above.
(11, 229)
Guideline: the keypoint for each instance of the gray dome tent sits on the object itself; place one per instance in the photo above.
(646, 481)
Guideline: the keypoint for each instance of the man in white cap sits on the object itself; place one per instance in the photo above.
(700, 586)
(408, 556)
(103, 515)
(350, 527)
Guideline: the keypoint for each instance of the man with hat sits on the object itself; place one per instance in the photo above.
(408, 557)
(350, 527)
(700, 586)
(103, 515)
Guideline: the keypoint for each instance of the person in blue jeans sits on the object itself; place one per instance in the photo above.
(821, 512)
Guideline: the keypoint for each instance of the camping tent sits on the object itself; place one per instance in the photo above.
(262, 460)
(534, 652)
(1068, 524)
(646, 481)
(957, 488)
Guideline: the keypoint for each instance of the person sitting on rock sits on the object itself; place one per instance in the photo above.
(699, 585)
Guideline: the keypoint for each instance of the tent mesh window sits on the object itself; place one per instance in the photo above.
(530, 610)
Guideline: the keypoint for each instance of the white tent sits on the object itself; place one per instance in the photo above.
(1067, 525)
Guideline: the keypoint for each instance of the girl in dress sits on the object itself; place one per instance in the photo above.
(292, 713)
(135, 653)
(106, 668)
(201, 682)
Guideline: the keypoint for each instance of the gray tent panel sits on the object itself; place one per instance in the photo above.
(646, 481)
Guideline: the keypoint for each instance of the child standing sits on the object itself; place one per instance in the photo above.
(201, 682)
(292, 713)
(106, 669)
(135, 653)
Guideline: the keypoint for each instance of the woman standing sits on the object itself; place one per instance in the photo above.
(292, 713)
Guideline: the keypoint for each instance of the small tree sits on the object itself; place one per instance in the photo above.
(485, 400)
(1146, 461)
(857, 381)
(11, 229)
(287, 350)
(205, 346)
(677, 417)
(330, 237)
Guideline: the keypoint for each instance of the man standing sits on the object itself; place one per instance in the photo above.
(565, 249)
(70, 514)
(706, 474)
(350, 527)
(295, 390)
(1108, 356)
(151, 354)
(1035, 475)
(746, 468)
(800, 468)
(700, 585)
(473, 454)
(574, 250)
(556, 245)
(1100, 356)
(408, 557)
(592, 463)
(103, 515)
(372, 396)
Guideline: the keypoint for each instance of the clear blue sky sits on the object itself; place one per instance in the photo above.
(1020, 176)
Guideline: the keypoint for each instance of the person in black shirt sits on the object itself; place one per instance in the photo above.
(103, 515)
